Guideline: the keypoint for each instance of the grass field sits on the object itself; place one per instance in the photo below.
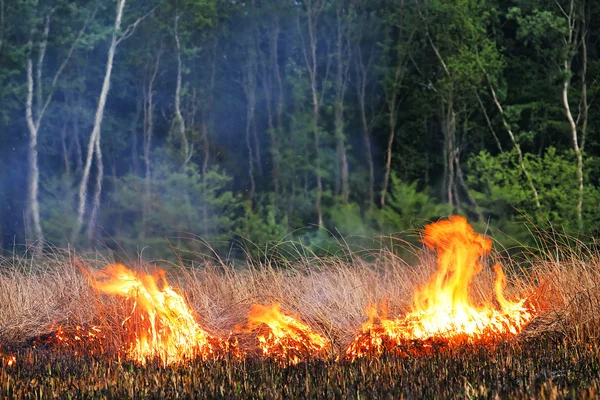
(556, 356)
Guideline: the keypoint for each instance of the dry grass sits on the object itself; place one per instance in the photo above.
(556, 357)
(331, 294)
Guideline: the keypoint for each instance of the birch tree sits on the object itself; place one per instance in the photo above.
(576, 36)
(94, 147)
(38, 100)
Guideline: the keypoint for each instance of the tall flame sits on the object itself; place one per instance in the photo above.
(443, 308)
(287, 339)
(160, 325)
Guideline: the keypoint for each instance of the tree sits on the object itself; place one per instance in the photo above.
(398, 55)
(36, 105)
(364, 71)
(94, 142)
(314, 10)
(342, 54)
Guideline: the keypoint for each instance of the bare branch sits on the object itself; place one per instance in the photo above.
(438, 55)
(487, 118)
(64, 64)
(131, 28)
(42, 53)
(561, 9)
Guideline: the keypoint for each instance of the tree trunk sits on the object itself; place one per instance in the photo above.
(185, 147)
(134, 133)
(313, 11)
(392, 100)
(94, 141)
(534, 191)
(34, 173)
(362, 72)
(277, 130)
(572, 44)
(249, 84)
(585, 108)
(97, 190)
(65, 151)
(574, 138)
(340, 86)
(95, 135)
(392, 96)
(34, 113)
(449, 132)
(205, 112)
(148, 134)
(33, 126)
(77, 145)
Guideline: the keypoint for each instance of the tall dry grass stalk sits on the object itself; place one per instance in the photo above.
(331, 293)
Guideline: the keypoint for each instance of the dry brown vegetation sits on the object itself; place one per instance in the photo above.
(331, 294)
(553, 357)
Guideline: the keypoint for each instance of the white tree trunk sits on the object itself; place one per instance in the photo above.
(571, 40)
(33, 205)
(574, 138)
(94, 142)
(178, 115)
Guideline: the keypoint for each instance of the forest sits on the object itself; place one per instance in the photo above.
(235, 125)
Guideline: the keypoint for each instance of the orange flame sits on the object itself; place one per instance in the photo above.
(442, 309)
(287, 339)
(161, 325)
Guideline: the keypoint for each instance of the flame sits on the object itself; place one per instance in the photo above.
(442, 308)
(161, 325)
(286, 339)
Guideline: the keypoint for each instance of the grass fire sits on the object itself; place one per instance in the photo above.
(455, 321)
(443, 309)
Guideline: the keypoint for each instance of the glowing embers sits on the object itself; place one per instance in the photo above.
(442, 309)
(283, 337)
(160, 324)
(7, 360)
(86, 339)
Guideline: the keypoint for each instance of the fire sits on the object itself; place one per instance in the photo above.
(78, 339)
(286, 339)
(156, 322)
(161, 325)
(7, 359)
(442, 308)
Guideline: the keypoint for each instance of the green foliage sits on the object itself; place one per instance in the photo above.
(407, 208)
(502, 191)
(59, 219)
(181, 206)
(261, 229)
(430, 67)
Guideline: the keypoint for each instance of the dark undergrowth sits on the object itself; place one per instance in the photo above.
(546, 366)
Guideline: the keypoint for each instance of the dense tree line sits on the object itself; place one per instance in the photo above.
(124, 122)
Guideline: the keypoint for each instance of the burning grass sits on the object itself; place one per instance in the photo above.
(301, 330)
